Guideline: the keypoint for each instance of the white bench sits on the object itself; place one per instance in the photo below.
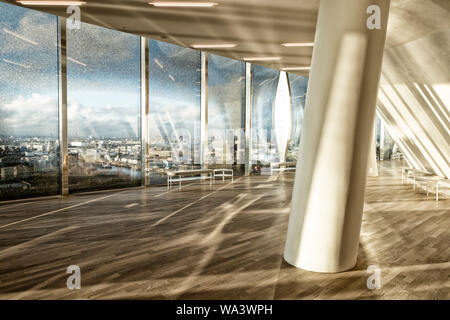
(188, 175)
(435, 185)
(426, 181)
(416, 175)
(282, 166)
(223, 173)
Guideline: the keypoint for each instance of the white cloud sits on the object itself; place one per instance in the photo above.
(35, 115)
(102, 121)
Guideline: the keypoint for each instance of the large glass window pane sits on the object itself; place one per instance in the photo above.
(174, 109)
(298, 86)
(103, 80)
(387, 149)
(29, 152)
(264, 146)
(226, 114)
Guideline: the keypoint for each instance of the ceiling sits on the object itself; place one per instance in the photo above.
(258, 27)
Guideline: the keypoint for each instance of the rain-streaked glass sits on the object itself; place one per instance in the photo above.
(29, 150)
(103, 90)
(174, 93)
(226, 114)
(298, 86)
(264, 146)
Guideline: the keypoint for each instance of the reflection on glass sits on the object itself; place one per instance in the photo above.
(264, 146)
(226, 114)
(103, 86)
(29, 151)
(298, 86)
(282, 116)
(174, 87)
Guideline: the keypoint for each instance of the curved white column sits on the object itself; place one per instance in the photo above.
(328, 195)
(282, 116)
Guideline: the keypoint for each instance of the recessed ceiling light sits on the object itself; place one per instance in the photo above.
(213, 46)
(298, 44)
(296, 68)
(182, 4)
(51, 3)
(261, 58)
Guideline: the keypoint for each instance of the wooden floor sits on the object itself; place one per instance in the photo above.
(220, 243)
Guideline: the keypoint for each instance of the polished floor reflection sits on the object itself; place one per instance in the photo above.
(220, 243)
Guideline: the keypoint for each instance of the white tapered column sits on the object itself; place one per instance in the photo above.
(328, 195)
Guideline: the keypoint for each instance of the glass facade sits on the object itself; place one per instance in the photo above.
(263, 144)
(298, 86)
(174, 93)
(226, 114)
(103, 90)
(387, 149)
(104, 109)
(29, 151)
